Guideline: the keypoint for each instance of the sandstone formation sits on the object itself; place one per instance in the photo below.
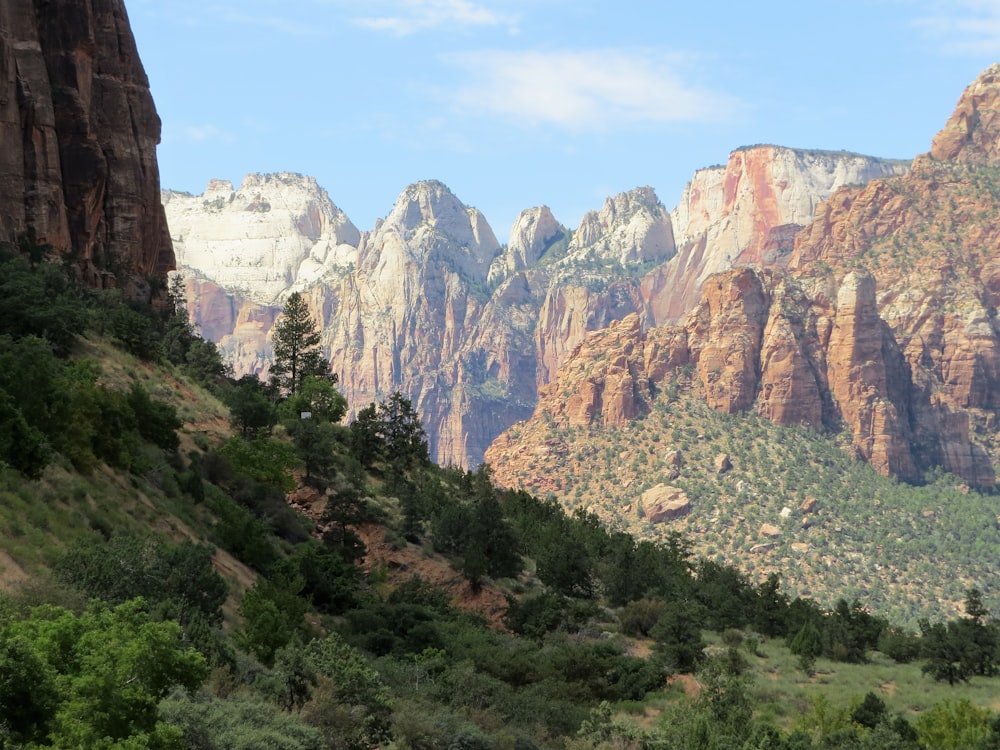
(429, 302)
(884, 322)
(748, 212)
(78, 167)
(664, 503)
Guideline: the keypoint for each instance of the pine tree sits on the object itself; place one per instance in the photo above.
(297, 352)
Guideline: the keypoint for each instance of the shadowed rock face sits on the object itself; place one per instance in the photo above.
(78, 166)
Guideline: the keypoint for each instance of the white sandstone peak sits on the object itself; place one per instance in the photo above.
(277, 231)
(631, 227)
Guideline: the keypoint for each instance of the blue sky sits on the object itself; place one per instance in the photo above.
(517, 103)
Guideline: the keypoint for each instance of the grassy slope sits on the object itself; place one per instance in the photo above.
(38, 520)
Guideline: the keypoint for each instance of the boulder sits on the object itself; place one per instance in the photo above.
(664, 503)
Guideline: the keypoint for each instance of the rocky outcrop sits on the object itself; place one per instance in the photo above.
(663, 502)
(78, 168)
(969, 136)
(884, 323)
(535, 232)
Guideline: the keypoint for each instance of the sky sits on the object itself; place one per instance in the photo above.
(519, 103)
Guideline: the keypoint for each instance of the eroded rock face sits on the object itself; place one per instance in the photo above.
(868, 379)
(429, 303)
(78, 166)
(886, 321)
(275, 233)
(748, 212)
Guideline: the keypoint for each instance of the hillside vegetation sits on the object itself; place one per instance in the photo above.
(162, 593)
(907, 551)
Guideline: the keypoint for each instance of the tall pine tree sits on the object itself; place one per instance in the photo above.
(297, 353)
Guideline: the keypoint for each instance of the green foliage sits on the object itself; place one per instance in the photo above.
(178, 579)
(22, 446)
(678, 636)
(99, 677)
(350, 701)
(262, 460)
(390, 431)
(38, 299)
(314, 444)
(346, 508)
(273, 613)
(954, 725)
(155, 421)
(320, 398)
(251, 410)
(239, 722)
(297, 353)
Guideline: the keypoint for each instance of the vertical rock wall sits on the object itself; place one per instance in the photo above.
(79, 131)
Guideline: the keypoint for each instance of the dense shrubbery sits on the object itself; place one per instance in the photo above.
(320, 655)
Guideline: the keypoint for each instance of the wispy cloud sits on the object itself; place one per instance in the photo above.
(589, 90)
(275, 23)
(197, 133)
(968, 27)
(412, 16)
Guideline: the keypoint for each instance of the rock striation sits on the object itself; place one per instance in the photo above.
(428, 302)
(78, 168)
(882, 319)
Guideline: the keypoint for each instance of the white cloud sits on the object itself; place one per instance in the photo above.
(197, 133)
(584, 90)
(964, 26)
(422, 15)
(275, 23)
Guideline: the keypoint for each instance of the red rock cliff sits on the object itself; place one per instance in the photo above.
(79, 133)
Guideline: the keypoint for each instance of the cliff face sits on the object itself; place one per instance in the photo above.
(748, 212)
(79, 128)
(429, 303)
(884, 323)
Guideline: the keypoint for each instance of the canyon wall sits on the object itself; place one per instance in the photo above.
(80, 130)
(428, 302)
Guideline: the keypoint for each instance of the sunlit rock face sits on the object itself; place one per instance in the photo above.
(430, 303)
(880, 318)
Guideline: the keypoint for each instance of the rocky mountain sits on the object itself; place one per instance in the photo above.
(78, 167)
(428, 302)
(883, 323)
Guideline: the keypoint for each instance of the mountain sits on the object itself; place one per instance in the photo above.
(881, 319)
(78, 167)
(428, 302)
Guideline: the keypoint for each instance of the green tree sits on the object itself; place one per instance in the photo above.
(314, 443)
(251, 411)
(297, 352)
(390, 431)
(953, 725)
(320, 398)
(944, 648)
(272, 613)
(100, 675)
(678, 636)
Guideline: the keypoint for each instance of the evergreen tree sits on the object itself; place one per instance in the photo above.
(297, 353)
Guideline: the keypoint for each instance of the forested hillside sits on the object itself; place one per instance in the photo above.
(160, 591)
